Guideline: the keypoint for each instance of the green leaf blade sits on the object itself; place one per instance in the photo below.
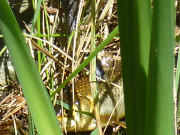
(160, 104)
(33, 88)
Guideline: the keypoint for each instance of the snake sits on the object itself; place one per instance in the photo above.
(80, 115)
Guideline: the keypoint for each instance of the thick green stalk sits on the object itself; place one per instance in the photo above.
(135, 33)
(33, 88)
(160, 105)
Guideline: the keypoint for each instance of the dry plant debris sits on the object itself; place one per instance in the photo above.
(13, 114)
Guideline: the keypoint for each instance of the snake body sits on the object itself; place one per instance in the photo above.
(110, 98)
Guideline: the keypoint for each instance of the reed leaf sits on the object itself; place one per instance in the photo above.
(160, 104)
(147, 65)
(135, 33)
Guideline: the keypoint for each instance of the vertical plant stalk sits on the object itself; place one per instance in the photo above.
(135, 33)
(177, 92)
(38, 7)
(160, 105)
(93, 68)
(39, 42)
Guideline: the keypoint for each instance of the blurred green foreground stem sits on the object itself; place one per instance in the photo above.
(147, 65)
(33, 88)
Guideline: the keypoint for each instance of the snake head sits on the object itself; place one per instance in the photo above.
(78, 117)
